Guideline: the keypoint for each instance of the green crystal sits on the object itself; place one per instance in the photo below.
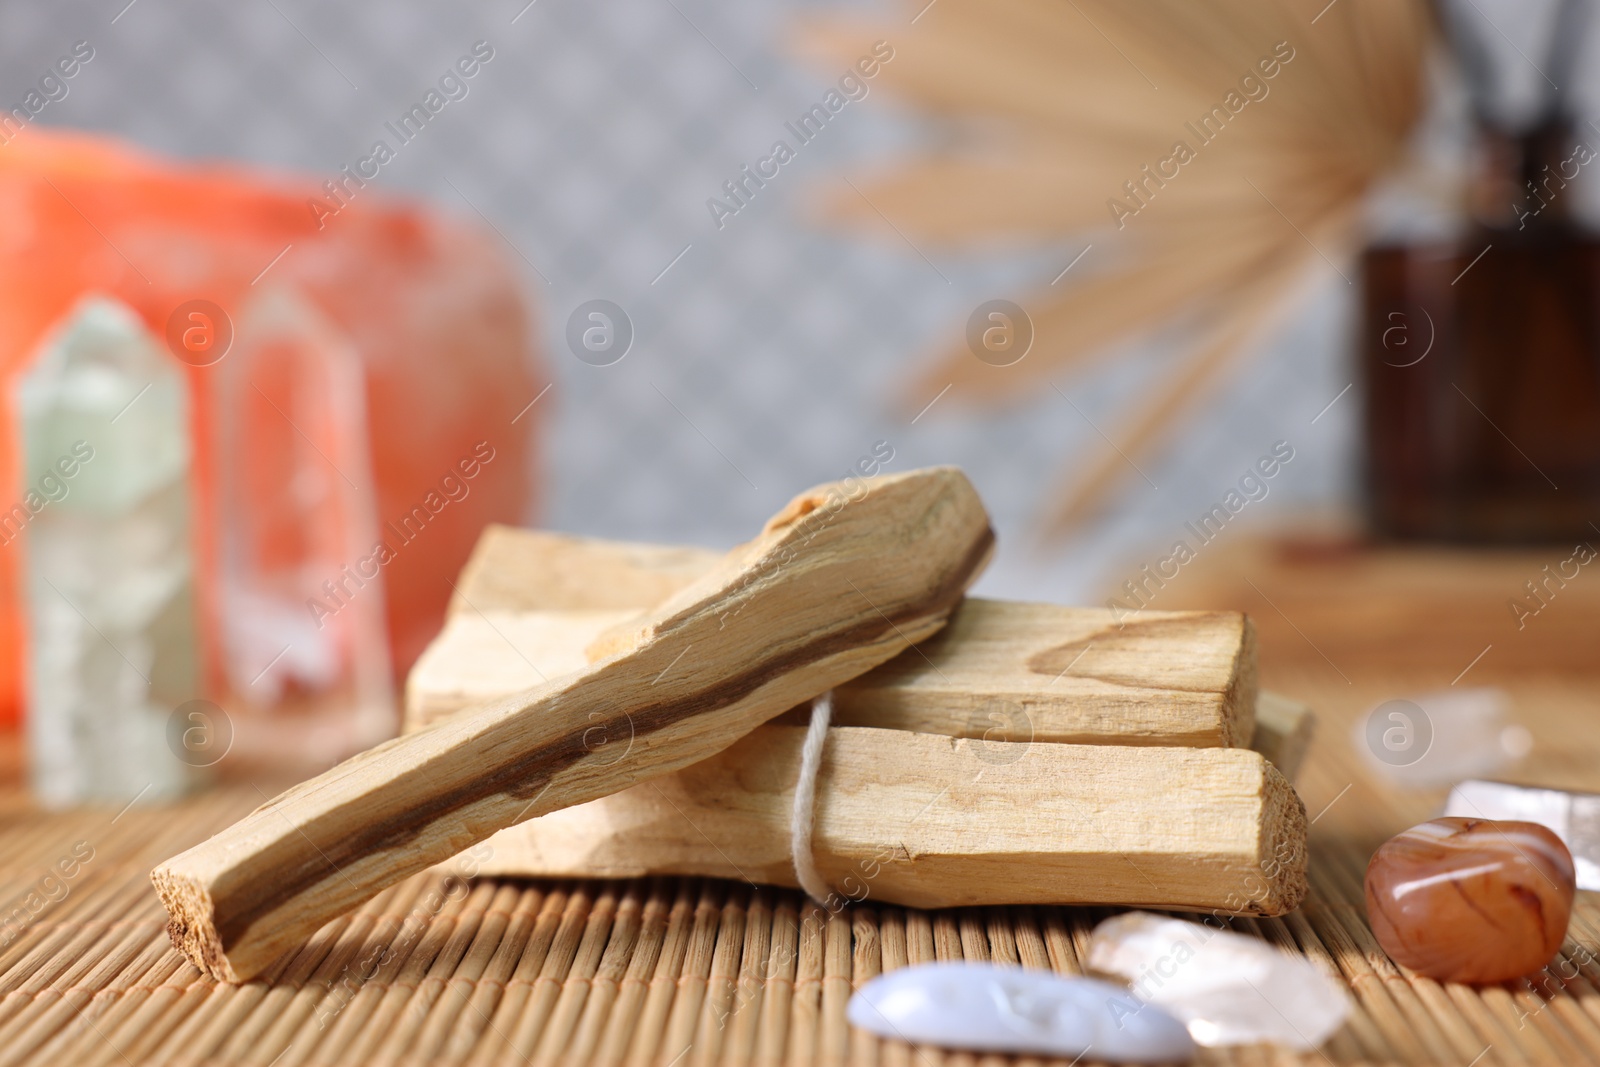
(106, 515)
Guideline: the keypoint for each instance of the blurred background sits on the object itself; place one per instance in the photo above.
(561, 273)
(592, 141)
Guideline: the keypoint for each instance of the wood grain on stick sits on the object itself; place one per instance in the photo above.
(1016, 671)
(909, 819)
(838, 582)
(1001, 670)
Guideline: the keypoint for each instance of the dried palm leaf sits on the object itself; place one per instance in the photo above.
(1083, 96)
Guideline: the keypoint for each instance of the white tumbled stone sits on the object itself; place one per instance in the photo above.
(985, 1008)
(1228, 988)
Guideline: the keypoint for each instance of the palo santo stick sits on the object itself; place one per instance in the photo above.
(517, 570)
(1001, 670)
(527, 604)
(833, 586)
(1283, 732)
(1013, 671)
(908, 819)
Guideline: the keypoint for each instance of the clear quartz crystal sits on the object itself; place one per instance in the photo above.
(1228, 988)
(301, 580)
(1573, 817)
(105, 425)
(1441, 737)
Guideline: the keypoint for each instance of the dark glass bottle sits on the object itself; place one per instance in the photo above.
(1480, 360)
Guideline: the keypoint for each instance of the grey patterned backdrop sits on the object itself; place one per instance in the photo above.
(769, 353)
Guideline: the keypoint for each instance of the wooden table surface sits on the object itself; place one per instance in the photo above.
(686, 971)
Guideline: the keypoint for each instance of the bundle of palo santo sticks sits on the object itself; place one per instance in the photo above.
(597, 709)
(1028, 753)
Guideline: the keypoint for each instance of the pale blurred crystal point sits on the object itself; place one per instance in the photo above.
(104, 418)
(302, 589)
(1439, 738)
(1573, 817)
(985, 1008)
(1228, 988)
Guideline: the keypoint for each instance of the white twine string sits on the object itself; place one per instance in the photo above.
(805, 793)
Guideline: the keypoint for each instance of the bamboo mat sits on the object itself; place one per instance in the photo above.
(686, 972)
(671, 971)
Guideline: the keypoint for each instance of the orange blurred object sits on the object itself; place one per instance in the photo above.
(429, 308)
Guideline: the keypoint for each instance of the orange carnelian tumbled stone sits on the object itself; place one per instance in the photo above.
(1471, 900)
